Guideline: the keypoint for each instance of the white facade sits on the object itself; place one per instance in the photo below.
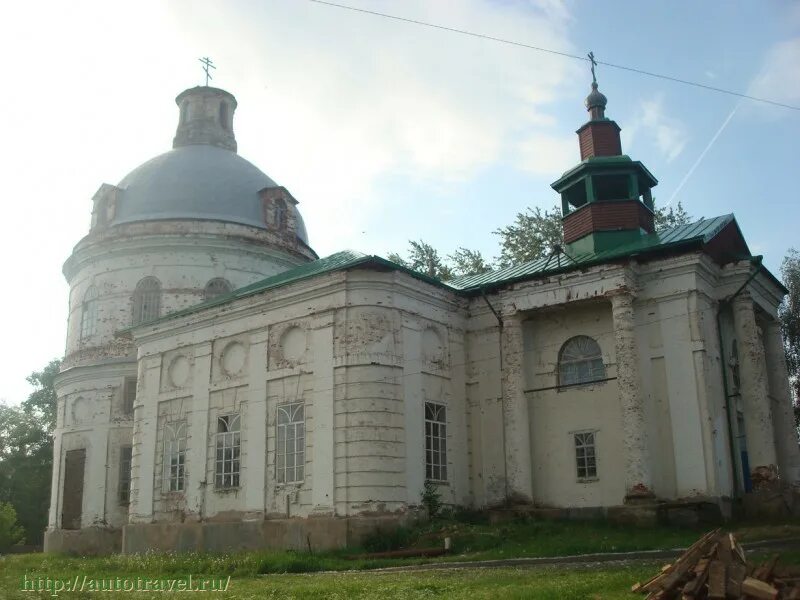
(320, 399)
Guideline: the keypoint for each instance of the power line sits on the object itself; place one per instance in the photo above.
(555, 52)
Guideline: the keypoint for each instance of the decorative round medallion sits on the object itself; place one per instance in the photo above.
(179, 371)
(293, 344)
(80, 411)
(233, 358)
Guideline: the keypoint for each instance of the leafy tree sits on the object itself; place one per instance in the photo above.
(533, 234)
(789, 314)
(10, 532)
(26, 452)
(468, 262)
(424, 258)
(671, 216)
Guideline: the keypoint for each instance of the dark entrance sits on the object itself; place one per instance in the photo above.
(72, 504)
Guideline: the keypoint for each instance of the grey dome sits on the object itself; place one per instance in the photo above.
(596, 99)
(196, 182)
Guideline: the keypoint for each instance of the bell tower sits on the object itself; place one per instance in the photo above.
(605, 199)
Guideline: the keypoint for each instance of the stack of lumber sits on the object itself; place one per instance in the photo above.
(715, 568)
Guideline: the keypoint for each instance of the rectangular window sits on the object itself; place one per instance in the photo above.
(585, 458)
(435, 442)
(128, 395)
(291, 443)
(125, 474)
(174, 456)
(228, 450)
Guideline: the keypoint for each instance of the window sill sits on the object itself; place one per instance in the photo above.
(587, 479)
(227, 490)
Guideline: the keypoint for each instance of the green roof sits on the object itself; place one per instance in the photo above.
(683, 236)
(701, 231)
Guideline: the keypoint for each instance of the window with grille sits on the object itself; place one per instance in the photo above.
(124, 494)
(174, 456)
(435, 442)
(217, 287)
(291, 443)
(128, 395)
(228, 450)
(89, 313)
(580, 361)
(585, 457)
(146, 300)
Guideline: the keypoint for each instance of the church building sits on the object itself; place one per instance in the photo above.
(225, 388)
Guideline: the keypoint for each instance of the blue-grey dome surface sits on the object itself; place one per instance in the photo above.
(196, 182)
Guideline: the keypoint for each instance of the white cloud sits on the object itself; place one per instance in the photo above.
(331, 102)
(651, 123)
(779, 79)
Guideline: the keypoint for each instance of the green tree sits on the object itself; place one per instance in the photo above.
(671, 216)
(26, 453)
(10, 532)
(533, 234)
(423, 258)
(789, 314)
(468, 262)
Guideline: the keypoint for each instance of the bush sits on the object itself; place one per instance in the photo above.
(10, 532)
(431, 499)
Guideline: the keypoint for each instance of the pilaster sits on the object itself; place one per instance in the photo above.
(638, 484)
(754, 385)
(519, 476)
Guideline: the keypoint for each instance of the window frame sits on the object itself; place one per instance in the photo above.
(89, 313)
(584, 444)
(146, 301)
(435, 442)
(231, 439)
(294, 425)
(124, 479)
(175, 438)
(582, 361)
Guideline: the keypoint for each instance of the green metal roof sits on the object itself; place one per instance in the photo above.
(697, 233)
(701, 231)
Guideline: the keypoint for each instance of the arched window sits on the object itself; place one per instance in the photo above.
(146, 300)
(89, 313)
(217, 287)
(580, 361)
(174, 456)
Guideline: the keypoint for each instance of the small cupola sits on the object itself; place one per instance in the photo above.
(206, 117)
(606, 199)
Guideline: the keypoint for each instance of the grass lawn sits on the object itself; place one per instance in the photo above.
(296, 574)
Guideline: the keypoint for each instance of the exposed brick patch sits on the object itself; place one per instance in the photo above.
(607, 216)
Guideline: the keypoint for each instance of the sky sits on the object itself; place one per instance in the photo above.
(385, 131)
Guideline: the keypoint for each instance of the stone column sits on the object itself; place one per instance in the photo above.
(516, 421)
(754, 386)
(783, 412)
(638, 484)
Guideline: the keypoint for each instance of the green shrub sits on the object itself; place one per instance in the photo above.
(10, 532)
(431, 499)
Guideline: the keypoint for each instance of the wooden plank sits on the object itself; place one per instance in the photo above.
(694, 587)
(736, 574)
(725, 550)
(758, 589)
(716, 580)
